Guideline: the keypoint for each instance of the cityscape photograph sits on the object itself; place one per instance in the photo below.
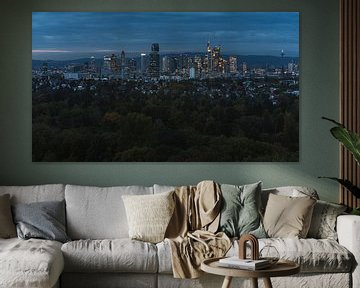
(165, 86)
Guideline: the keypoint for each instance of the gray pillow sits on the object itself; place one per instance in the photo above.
(240, 213)
(44, 220)
(323, 222)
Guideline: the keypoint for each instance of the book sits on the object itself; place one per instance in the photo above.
(236, 262)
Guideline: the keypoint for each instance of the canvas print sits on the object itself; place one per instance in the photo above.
(165, 87)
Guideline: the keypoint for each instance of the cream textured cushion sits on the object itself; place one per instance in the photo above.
(7, 226)
(149, 215)
(287, 217)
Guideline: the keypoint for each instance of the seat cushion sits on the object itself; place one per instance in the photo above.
(117, 255)
(313, 255)
(30, 263)
(98, 212)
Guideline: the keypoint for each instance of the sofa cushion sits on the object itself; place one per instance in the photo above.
(116, 255)
(287, 216)
(36, 193)
(149, 215)
(313, 255)
(7, 227)
(98, 213)
(43, 220)
(240, 210)
(323, 222)
(291, 191)
(30, 263)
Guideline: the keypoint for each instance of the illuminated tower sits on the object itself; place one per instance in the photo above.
(143, 63)
(216, 58)
(209, 57)
(233, 64)
(92, 65)
(107, 64)
(113, 64)
(154, 64)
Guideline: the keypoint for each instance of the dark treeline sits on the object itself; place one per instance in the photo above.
(176, 121)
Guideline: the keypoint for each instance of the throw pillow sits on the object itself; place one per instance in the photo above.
(149, 215)
(240, 213)
(288, 217)
(323, 222)
(7, 227)
(44, 220)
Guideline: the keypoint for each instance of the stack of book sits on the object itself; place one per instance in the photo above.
(248, 264)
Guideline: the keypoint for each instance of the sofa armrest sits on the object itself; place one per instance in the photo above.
(348, 230)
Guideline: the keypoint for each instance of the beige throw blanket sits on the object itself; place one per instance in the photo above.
(191, 231)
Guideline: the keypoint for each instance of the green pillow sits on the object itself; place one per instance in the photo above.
(240, 213)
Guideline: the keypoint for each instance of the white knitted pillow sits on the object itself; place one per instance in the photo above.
(149, 215)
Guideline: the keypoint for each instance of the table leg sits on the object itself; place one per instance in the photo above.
(227, 282)
(267, 283)
(254, 282)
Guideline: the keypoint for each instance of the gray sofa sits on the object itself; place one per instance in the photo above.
(101, 254)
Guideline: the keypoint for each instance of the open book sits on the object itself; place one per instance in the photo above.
(236, 262)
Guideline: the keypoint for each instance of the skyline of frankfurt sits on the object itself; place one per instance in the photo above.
(71, 35)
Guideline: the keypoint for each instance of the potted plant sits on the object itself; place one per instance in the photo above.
(351, 141)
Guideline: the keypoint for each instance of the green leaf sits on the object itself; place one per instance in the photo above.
(347, 184)
(349, 139)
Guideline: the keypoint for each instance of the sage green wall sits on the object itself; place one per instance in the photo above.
(319, 96)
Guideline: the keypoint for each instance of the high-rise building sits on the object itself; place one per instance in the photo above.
(233, 64)
(154, 63)
(107, 63)
(122, 58)
(291, 66)
(192, 73)
(122, 64)
(209, 57)
(168, 64)
(132, 67)
(244, 68)
(143, 63)
(216, 58)
(92, 65)
(113, 64)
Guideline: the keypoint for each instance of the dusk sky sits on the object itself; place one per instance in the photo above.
(70, 35)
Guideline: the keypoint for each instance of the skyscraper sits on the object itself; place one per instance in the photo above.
(113, 64)
(143, 63)
(122, 64)
(233, 64)
(154, 65)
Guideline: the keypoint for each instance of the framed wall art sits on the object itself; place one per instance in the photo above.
(165, 87)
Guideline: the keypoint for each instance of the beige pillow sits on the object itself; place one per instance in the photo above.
(7, 226)
(149, 215)
(288, 217)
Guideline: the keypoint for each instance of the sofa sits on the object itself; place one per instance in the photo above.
(100, 253)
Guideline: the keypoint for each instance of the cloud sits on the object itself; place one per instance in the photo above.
(50, 51)
(241, 32)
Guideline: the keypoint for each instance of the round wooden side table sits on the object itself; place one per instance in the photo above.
(281, 268)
